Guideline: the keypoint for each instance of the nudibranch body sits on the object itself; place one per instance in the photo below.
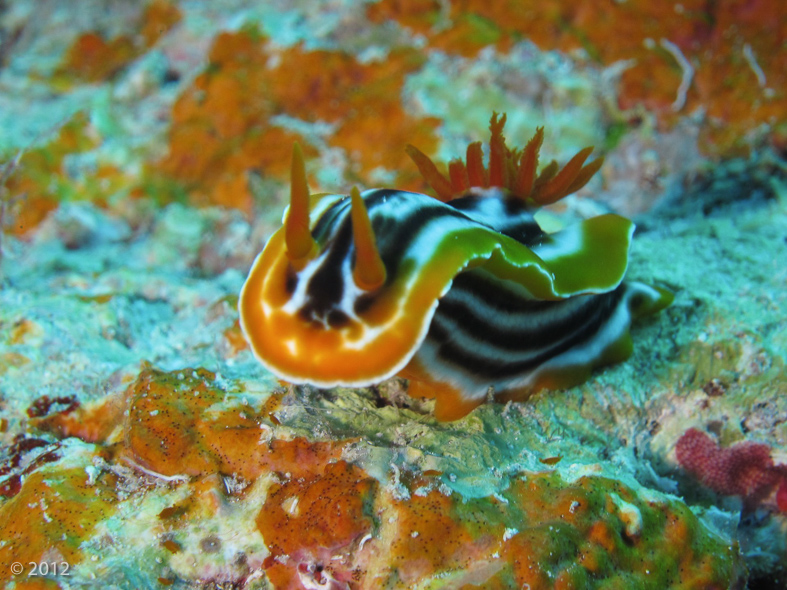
(459, 293)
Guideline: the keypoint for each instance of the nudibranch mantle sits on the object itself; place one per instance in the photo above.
(457, 296)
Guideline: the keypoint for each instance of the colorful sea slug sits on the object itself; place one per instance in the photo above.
(462, 294)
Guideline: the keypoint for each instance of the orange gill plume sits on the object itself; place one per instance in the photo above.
(511, 169)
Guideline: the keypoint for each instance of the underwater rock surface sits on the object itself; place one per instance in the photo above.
(141, 444)
(144, 443)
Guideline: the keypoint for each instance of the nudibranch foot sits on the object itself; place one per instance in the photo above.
(450, 402)
(464, 294)
(525, 348)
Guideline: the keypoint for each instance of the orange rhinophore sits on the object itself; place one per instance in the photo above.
(300, 245)
(369, 270)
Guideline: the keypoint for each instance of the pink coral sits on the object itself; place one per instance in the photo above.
(745, 469)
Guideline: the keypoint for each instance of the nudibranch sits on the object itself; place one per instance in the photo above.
(463, 294)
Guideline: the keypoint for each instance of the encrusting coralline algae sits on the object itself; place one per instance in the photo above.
(142, 445)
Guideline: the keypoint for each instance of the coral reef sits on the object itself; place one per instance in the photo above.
(42, 177)
(228, 112)
(725, 58)
(92, 58)
(203, 469)
(189, 456)
(146, 151)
